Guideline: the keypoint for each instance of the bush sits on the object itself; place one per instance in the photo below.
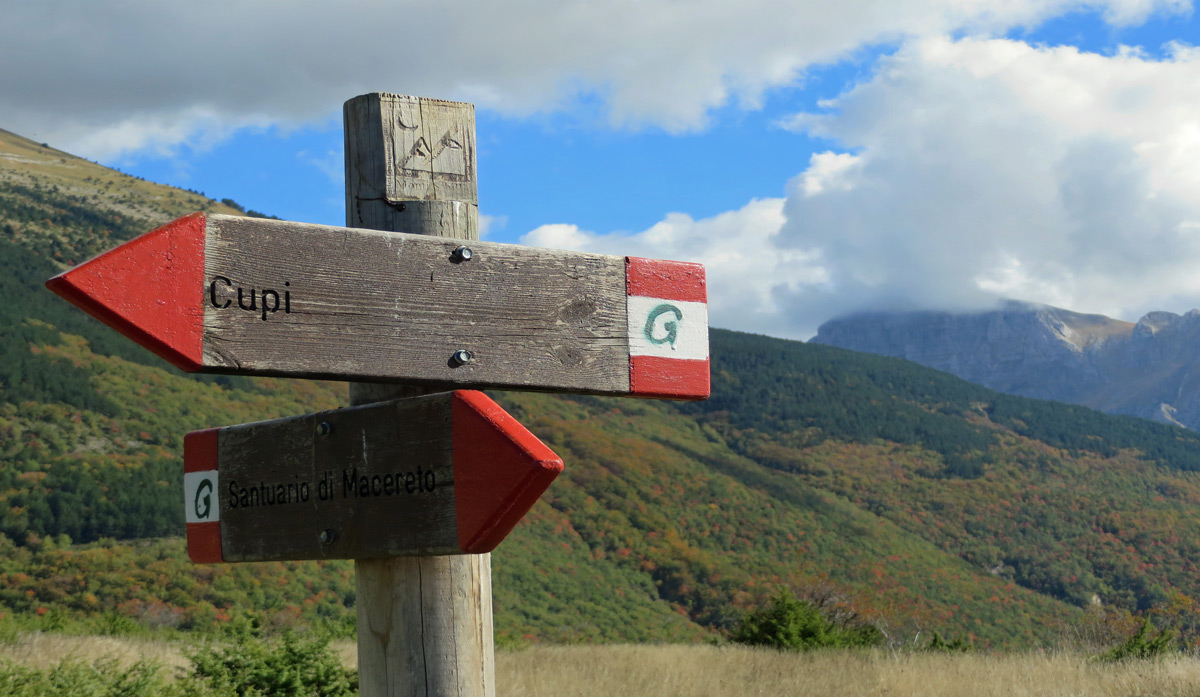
(247, 666)
(1141, 645)
(103, 678)
(786, 622)
(940, 645)
(293, 666)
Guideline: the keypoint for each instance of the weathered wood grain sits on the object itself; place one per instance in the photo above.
(226, 294)
(297, 299)
(406, 444)
(404, 647)
(448, 473)
(425, 623)
(401, 150)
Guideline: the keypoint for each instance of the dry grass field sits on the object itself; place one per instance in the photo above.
(704, 671)
(701, 671)
(39, 650)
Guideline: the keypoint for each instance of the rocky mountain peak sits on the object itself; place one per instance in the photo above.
(1153, 322)
(1150, 368)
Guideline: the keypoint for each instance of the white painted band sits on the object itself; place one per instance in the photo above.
(667, 328)
(200, 500)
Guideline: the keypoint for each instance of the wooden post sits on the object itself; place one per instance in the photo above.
(424, 623)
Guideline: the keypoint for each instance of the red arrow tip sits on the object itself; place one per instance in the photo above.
(500, 470)
(151, 289)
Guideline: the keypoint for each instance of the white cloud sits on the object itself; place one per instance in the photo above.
(979, 169)
(746, 271)
(100, 78)
(829, 171)
(331, 163)
(988, 168)
(1130, 12)
(489, 224)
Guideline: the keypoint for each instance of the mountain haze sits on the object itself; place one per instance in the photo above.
(911, 497)
(1149, 369)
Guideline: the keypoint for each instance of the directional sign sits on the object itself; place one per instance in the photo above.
(243, 295)
(448, 473)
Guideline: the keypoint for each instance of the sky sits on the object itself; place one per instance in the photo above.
(820, 158)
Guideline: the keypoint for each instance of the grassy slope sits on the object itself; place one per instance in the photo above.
(1060, 499)
(649, 532)
(919, 499)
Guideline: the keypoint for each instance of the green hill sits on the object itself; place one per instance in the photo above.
(874, 486)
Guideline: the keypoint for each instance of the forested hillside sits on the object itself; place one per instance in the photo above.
(895, 493)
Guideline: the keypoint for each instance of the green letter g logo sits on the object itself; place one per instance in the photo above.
(203, 503)
(672, 326)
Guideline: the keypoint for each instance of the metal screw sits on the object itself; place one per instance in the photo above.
(463, 254)
(327, 536)
(324, 428)
(462, 357)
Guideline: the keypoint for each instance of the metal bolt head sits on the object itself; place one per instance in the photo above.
(462, 357)
(327, 536)
(463, 253)
(324, 428)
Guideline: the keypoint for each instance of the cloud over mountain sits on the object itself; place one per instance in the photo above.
(985, 168)
(970, 170)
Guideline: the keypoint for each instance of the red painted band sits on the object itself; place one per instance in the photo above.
(200, 450)
(670, 280)
(151, 289)
(500, 470)
(204, 542)
(671, 378)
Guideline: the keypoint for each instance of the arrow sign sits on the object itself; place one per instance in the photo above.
(244, 295)
(448, 473)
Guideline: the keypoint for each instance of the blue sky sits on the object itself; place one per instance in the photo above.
(819, 158)
(564, 167)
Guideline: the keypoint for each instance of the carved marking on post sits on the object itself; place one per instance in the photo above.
(431, 153)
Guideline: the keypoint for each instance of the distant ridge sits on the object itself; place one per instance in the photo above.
(1149, 369)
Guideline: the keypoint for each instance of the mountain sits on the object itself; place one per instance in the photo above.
(884, 490)
(1149, 369)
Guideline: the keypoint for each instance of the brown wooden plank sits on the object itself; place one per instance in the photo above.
(270, 297)
(297, 299)
(448, 473)
(379, 483)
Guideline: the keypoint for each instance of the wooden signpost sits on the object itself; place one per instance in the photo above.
(424, 623)
(417, 489)
(449, 473)
(252, 296)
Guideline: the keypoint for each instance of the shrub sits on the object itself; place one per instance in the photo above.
(1141, 645)
(292, 666)
(247, 666)
(786, 622)
(103, 678)
(113, 623)
(940, 645)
